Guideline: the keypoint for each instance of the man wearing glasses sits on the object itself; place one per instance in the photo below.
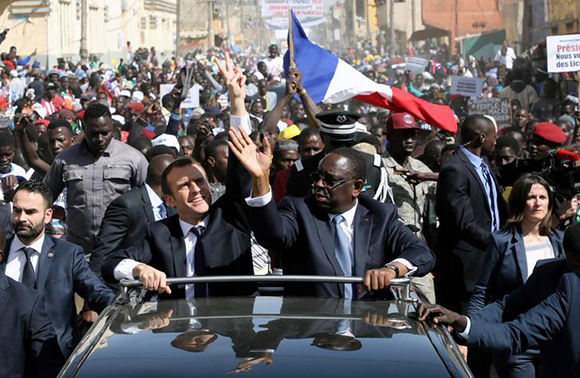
(333, 231)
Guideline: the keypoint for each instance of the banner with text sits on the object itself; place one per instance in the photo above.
(563, 53)
(498, 108)
(275, 12)
(466, 86)
(416, 65)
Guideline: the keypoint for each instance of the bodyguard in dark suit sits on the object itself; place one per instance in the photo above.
(334, 232)
(544, 312)
(126, 218)
(56, 268)
(470, 207)
(29, 345)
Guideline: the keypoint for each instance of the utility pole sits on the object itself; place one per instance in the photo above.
(177, 28)
(210, 38)
(243, 23)
(392, 29)
(228, 22)
(84, 52)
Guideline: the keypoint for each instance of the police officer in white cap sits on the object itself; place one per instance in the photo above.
(338, 129)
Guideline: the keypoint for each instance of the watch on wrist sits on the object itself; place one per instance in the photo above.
(394, 267)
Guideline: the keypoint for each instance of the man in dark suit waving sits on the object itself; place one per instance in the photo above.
(470, 207)
(335, 231)
(202, 239)
(56, 268)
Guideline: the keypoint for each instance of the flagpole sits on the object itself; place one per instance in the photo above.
(291, 39)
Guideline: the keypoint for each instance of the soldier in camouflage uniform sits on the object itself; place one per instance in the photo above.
(410, 180)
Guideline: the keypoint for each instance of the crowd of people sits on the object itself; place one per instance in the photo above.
(212, 164)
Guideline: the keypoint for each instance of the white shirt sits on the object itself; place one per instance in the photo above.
(347, 226)
(537, 252)
(156, 202)
(17, 258)
(508, 59)
(275, 65)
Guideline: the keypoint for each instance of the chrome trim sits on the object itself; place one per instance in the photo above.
(400, 287)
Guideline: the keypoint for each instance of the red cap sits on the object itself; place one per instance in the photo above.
(42, 121)
(148, 133)
(400, 121)
(81, 114)
(137, 107)
(550, 132)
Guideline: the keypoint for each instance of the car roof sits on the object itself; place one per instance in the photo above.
(290, 337)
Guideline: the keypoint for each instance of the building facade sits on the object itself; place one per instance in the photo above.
(53, 27)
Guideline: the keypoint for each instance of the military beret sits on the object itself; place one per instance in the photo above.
(550, 132)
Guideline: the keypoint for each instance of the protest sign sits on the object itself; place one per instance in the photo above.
(466, 86)
(416, 65)
(498, 108)
(563, 53)
(165, 89)
(192, 100)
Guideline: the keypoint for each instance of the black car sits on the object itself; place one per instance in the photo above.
(265, 336)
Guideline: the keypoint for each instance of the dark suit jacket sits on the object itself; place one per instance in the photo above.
(123, 225)
(465, 221)
(6, 220)
(63, 271)
(506, 267)
(555, 319)
(29, 345)
(305, 235)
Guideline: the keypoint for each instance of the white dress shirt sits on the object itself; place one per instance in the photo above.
(124, 270)
(347, 226)
(159, 209)
(17, 258)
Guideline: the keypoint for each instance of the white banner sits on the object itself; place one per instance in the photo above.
(563, 53)
(466, 86)
(416, 65)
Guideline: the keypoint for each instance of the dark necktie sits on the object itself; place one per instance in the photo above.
(28, 274)
(490, 186)
(198, 261)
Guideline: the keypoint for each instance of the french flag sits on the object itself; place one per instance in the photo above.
(331, 80)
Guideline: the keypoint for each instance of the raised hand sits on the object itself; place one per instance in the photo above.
(257, 163)
(235, 82)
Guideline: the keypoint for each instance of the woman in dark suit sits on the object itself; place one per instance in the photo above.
(512, 254)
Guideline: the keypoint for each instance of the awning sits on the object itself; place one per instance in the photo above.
(422, 35)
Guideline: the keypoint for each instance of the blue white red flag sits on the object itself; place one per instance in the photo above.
(331, 80)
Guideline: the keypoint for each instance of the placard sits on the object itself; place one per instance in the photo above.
(192, 100)
(563, 53)
(498, 108)
(466, 86)
(416, 65)
(165, 89)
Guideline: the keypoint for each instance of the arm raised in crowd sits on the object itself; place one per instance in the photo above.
(28, 150)
(310, 107)
(271, 121)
